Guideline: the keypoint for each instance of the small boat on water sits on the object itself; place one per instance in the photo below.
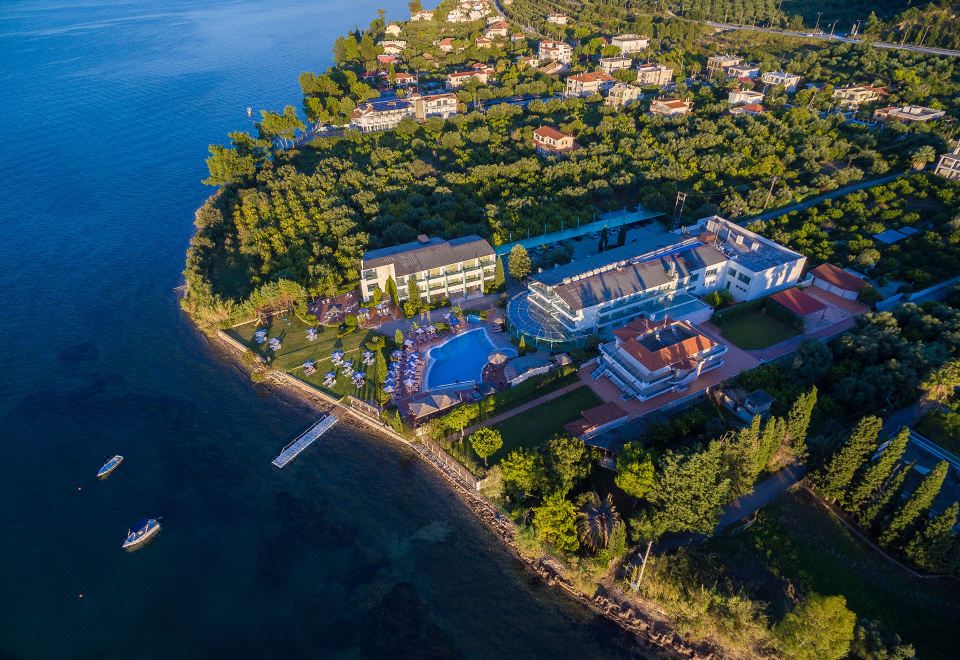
(110, 466)
(141, 531)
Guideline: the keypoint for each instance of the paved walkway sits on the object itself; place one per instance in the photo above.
(741, 508)
(524, 407)
(812, 201)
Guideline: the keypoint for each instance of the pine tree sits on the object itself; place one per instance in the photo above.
(931, 546)
(741, 456)
(916, 504)
(876, 474)
(604, 239)
(771, 438)
(519, 262)
(398, 337)
(832, 482)
(522, 345)
(414, 300)
(798, 420)
(622, 236)
(872, 512)
(498, 276)
(392, 291)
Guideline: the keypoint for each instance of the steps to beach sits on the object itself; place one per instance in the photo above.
(304, 440)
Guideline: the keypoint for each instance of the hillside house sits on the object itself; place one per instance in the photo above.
(611, 64)
(549, 141)
(555, 51)
(434, 105)
(744, 97)
(654, 74)
(908, 114)
(949, 164)
(629, 43)
(670, 107)
(622, 95)
(586, 84)
(790, 81)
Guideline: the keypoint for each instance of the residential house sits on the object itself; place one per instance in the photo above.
(790, 81)
(839, 282)
(496, 18)
(611, 64)
(557, 19)
(385, 60)
(392, 30)
(422, 16)
(392, 46)
(908, 114)
(748, 109)
(650, 73)
(434, 105)
(596, 420)
(668, 106)
(404, 79)
(482, 43)
(856, 96)
(499, 29)
(531, 61)
(741, 71)
(554, 68)
(629, 43)
(585, 84)
(380, 115)
(445, 45)
(949, 164)
(517, 37)
(595, 295)
(649, 358)
(744, 97)
(456, 269)
(555, 51)
(458, 79)
(622, 94)
(548, 141)
(798, 304)
(718, 64)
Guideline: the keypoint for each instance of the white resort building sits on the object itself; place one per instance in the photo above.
(457, 269)
(649, 358)
(597, 294)
(381, 115)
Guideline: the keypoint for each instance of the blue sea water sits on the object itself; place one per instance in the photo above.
(355, 550)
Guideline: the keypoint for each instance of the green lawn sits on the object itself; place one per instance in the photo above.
(297, 349)
(755, 329)
(943, 427)
(797, 541)
(534, 427)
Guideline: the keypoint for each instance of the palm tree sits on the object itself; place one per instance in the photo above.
(596, 520)
(923, 157)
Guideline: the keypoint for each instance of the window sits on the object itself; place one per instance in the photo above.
(733, 272)
(694, 277)
(743, 278)
(712, 271)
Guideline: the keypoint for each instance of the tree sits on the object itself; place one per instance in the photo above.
(498, 275)
(398, 337)
(871, 480)
(523, 470)
(872, 642)
(771, 439)
(391, 287)
(597, 519)
(228, 166)
(414, 6)
(381, 365)
(798, 420)
(922, 157)
(811, 361)
(486, 442)
(622, 236)
(282, 127)
(519, 263)
(916, 505)
(833, 480)
(742, 458)
(872, 511)
(568, 461)
(635, 473)
(688, 494)
(522, 345)
(604, 239)
(931, 546)
(556, 523)
(414, 302)
(819, 628)
(460, 417)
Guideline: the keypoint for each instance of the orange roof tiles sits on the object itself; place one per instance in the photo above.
(838, 278)
(798, 302)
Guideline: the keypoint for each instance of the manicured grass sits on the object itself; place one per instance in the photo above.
(533, 428)
(796, 540)
(297, 349)
(943, 427)
(756, 329)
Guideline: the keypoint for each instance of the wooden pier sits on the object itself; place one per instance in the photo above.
(304, 440)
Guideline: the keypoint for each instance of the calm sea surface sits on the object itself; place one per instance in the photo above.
(355, 550)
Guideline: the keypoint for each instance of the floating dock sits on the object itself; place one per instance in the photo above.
(305, 439)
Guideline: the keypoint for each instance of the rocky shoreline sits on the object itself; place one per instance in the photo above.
(611, 603)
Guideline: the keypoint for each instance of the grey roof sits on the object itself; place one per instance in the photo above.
(416, 256)
(637, 275)
(758, 399)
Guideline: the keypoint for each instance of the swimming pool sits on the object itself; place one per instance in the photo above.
(459, 359)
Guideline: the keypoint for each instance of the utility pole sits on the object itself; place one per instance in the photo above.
(678, 207)
(817, 26)
(769, 193)
(831, 29)
(643, 566)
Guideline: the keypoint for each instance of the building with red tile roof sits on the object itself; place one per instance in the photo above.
(596, 420)
(548, 140)
(839, 282)
(798, 303)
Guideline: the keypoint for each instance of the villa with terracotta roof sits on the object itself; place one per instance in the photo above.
(670, 107)
(798, 303)
(458, 79)
(649, 358)
(853, 97)
(497, 29)
(744, 97)
(548, 141)
(748, 109)
(587, 84)
(830, 278)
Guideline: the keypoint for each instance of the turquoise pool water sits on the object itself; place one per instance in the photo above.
(460, 359)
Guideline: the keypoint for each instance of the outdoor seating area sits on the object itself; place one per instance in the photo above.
(343, 367)
(405, 373)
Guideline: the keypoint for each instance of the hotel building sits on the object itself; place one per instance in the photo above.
(457, 269)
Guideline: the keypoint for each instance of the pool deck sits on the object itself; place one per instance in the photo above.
(497, 341)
